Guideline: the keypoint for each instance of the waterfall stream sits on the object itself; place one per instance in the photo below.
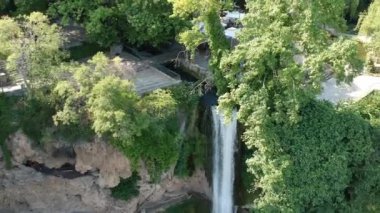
(224, 138)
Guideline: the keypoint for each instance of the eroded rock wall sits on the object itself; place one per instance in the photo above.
(23, 189)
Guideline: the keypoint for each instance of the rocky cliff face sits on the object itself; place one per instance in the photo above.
(23, 189)
(97, 157)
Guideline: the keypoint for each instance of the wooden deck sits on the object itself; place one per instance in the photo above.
(151, 78)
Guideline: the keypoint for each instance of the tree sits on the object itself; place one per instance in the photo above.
(114, 110)
(138, 22)
(73, 10)
(32, 47)
(369, 25)
(370, 20)
(149, 22)
(3, 5)
(205, 13)
(28, 6)
(102, 26)
(365, 188)
(77, 81)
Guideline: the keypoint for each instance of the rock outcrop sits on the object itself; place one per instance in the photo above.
(52, 155)
(111, 164)
(155, 195)
(24, 189)
(96, 156)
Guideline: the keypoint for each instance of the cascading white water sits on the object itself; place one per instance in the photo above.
(224, 138)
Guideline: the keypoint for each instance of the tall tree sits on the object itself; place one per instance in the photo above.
(32, 47)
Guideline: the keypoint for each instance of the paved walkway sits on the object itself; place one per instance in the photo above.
(360, 87)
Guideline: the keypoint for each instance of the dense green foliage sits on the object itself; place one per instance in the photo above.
(102, 26)
(149, 22)
(308, 166)
(204, 13)
(96, 95)
(127, 188)
(192, 149)
(192, 155)
(305, 155)
(366, 187)
(370, 20)
(32, 48)
(370, 26)
(28, 6)
(35, 118)
(300, 163)
(86, 50)
(3, 5)
(8, 121)
(138, 22)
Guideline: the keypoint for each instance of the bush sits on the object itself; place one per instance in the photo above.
(127, 188)
(36, 116)
(28, 6)
(8, 123)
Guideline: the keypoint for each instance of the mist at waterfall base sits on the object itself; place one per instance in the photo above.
(224, 139)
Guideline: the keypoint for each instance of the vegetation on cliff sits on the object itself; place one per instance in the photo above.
(306, 155)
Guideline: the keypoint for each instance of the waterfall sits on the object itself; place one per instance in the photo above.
(224, 137)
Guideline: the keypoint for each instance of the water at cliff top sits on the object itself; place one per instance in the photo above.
(224, 138)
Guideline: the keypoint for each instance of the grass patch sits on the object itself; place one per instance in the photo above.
(86, 50)
(127, 188)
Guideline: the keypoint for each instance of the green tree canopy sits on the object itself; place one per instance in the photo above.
(140, 22)
(32, 47)
(370, 20)
(370, 26)
(113, 108)
(309, 166)
(365, 187)
(28, 6)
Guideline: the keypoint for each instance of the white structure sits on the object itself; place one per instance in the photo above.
(360, 87)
